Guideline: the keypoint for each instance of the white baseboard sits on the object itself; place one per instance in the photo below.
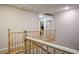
(3, 51)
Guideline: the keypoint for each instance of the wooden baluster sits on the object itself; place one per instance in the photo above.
(47, 48)
(16, 43)
(17, 49)
(54, 34)
(18, 38)
(41, 49)
(36, 49)
(9, 44)
(54, 50)
(63, 52)
(29, 47)
(25, 49)
(41, 36)
(33, 47)
(25, 42)
(20, 41)
(13, 38)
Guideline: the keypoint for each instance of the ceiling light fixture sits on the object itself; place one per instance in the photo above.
(41, 16)
(66, 8)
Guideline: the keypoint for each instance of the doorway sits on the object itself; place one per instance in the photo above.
(41, 28)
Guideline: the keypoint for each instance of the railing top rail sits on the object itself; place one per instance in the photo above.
(62, 48)
(28, 31)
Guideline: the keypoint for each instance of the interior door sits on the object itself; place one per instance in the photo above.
(48, 29)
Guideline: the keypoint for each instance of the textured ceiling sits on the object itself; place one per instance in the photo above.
(44, 8)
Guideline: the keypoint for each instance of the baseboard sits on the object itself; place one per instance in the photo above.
(4, 51)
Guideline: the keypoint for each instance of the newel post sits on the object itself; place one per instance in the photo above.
(25, 42)
(9, 41)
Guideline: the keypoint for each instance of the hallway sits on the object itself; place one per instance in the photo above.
(52, 23)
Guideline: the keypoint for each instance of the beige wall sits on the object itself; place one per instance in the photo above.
(67, 28)
(67, 25)
(16, 20)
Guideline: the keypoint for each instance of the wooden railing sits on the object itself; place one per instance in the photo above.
(16, 40)
(32, 43)
(46, 47)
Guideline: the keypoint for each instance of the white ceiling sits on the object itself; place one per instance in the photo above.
(44, 8)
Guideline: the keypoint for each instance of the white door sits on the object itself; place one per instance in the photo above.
(49, 29)
(48, 25)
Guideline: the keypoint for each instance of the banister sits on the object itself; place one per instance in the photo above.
(42, 48)
(62, 48)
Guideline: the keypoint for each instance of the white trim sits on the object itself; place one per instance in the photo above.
(3, 51)
(65, 49)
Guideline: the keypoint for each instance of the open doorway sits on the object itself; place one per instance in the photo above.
(47, 27)
(41, 28)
